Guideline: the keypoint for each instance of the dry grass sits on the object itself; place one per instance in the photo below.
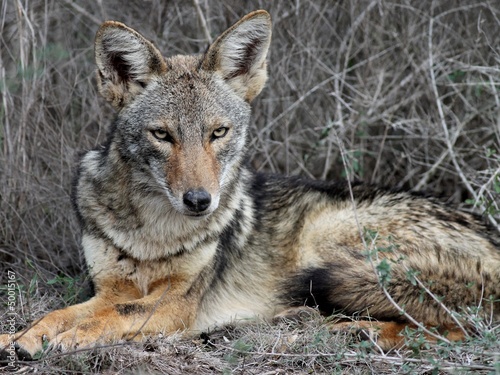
(306, 347)
(402, 93)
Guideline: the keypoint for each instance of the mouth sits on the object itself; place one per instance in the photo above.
(197, 216)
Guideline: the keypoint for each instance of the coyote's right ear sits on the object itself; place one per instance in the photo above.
(126, 62)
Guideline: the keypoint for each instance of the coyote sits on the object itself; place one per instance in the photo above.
(180, 234)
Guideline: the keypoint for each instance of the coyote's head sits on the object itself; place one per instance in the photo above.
(183, 120)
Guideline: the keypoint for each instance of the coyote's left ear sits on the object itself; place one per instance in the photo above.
(239, 54)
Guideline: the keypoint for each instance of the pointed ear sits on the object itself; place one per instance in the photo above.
(239, 54)
(126, 62)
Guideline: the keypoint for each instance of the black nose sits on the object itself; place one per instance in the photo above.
(197, 200)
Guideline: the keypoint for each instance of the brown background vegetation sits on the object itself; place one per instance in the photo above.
(355, 78)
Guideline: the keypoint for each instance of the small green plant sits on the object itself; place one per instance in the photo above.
(456, 76)
(382, 253)
(490, 202)
(39, 354)
(240, 350)
(70, 286)
(355, 164)
(322, 138)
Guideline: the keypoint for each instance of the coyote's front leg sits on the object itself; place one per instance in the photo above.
(30, 340)
(166, 309)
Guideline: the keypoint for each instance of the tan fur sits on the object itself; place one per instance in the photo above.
(193, 168)
(251, 245)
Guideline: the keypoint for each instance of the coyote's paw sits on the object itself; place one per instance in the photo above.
(22, 346)
(72, 340)
(86, 335)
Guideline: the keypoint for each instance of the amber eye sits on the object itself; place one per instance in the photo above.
(220, 132)
(162, 135)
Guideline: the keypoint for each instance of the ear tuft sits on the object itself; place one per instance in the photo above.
(239, 54)
(126, 62)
